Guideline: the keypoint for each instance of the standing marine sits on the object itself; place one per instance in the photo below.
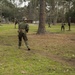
(69, 23)
(23, 29)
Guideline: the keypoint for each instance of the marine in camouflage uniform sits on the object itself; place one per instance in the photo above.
(23, 28)
(69, 23)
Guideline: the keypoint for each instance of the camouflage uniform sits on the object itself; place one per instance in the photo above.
(16, 22)
(69, 22)
(23, 29)
(63, 27)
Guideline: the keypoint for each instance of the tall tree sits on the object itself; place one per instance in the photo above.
(41, 28)
(69, 15)
(6, 9)
(32, 9)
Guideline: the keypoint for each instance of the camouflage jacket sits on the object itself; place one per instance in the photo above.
(23, 27)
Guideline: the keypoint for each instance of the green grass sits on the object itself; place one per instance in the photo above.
(51, 54)
(57, 28)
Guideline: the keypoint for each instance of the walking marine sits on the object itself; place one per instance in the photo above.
(23, 29)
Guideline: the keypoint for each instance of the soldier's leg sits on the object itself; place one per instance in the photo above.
(20, 40)
(63, 28)
(26, 41)
(27, 45)
(69, 26)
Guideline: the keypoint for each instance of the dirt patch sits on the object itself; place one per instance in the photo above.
(54, 46)
(71, 61)
(56, 58)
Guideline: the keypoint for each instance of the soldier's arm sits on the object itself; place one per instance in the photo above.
(27, 28)
(18, 28)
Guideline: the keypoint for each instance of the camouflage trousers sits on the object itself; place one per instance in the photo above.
(24, 37)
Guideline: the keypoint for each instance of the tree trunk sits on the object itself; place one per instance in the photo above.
(41, 28)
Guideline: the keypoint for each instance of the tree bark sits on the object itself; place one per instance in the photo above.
(41, 28)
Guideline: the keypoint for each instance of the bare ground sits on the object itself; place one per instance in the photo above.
(55, 47)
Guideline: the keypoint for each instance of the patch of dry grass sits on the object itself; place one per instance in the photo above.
(59, 45)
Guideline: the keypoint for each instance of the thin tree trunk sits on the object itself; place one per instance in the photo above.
(41, 28)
